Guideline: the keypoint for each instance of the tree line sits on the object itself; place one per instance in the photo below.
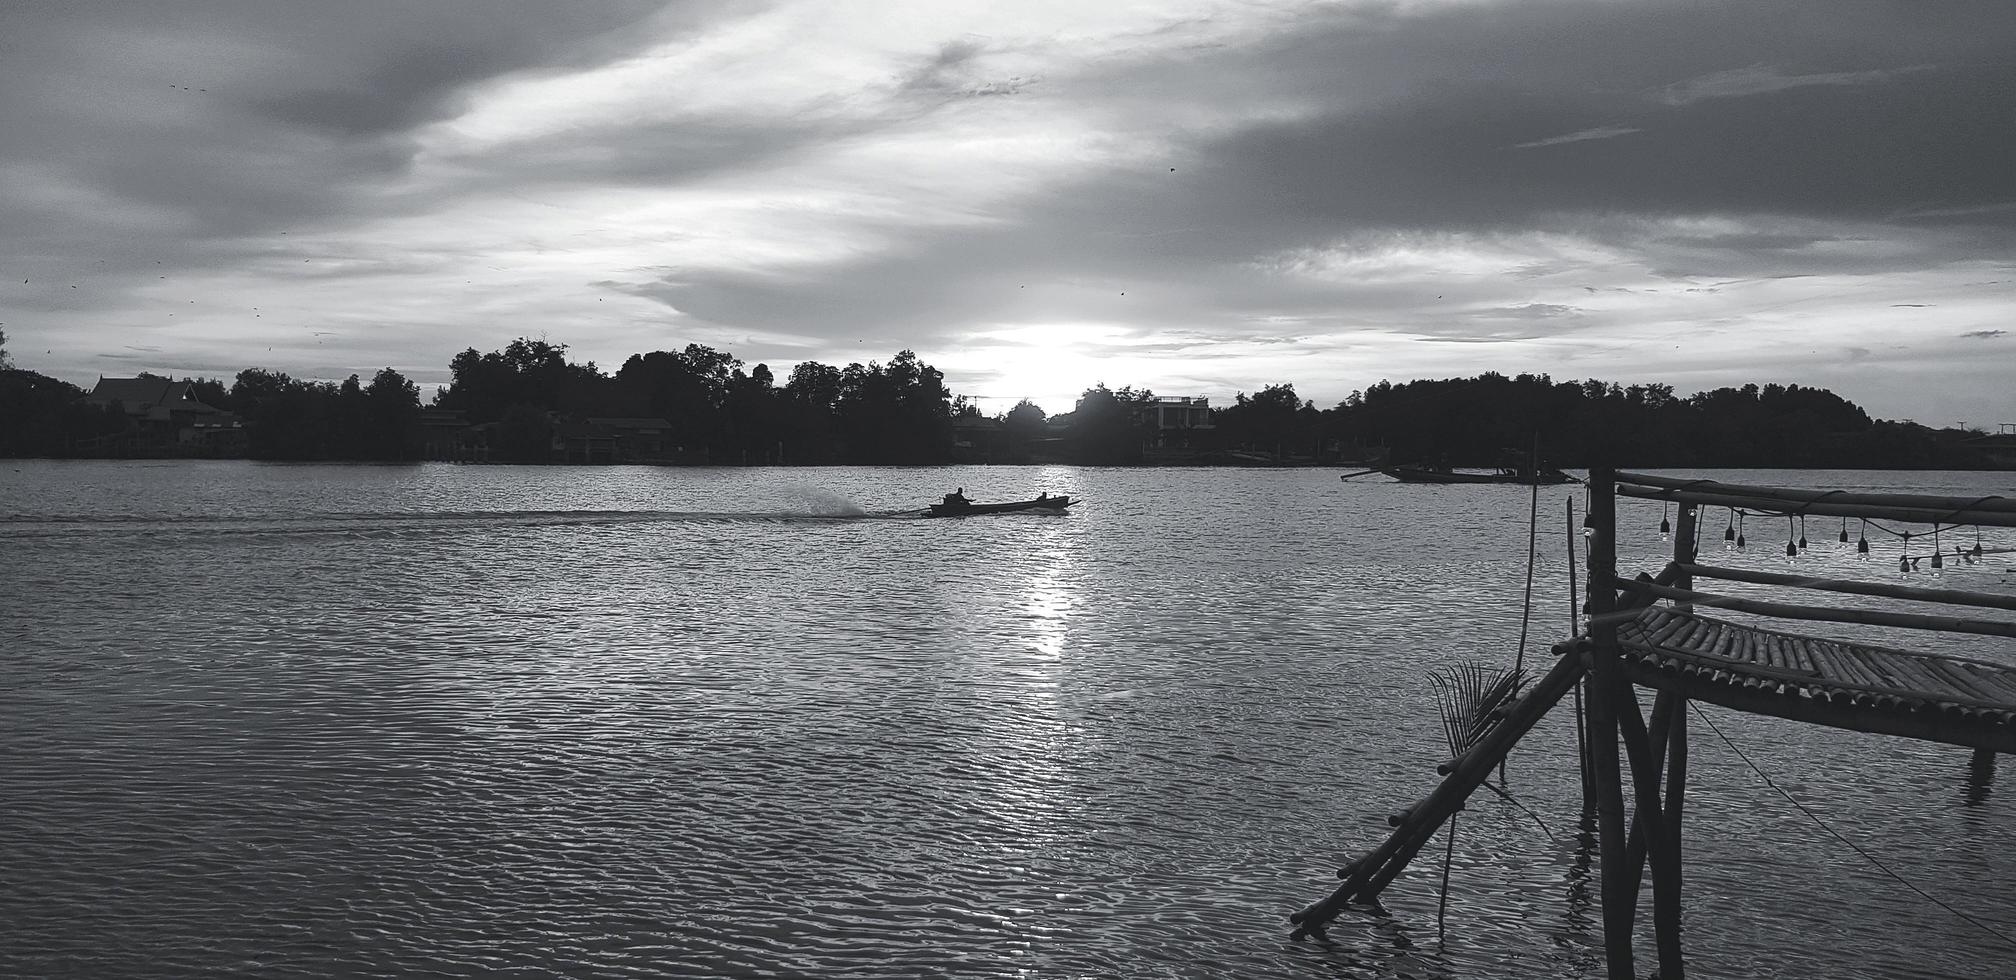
(1478, 421)
(720, 410)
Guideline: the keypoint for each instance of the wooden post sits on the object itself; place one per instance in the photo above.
(1646, 752)
(1575, 629)
(1666, 861)
(1605, 681)
(1683, 550)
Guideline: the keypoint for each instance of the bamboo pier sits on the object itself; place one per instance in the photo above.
(1650, 631)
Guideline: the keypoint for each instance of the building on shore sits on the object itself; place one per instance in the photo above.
(165, 417)
(1172, 421)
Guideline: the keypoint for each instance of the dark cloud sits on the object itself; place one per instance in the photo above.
(1702, 152)
(1985, 334)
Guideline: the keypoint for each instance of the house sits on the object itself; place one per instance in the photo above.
(1170, 420)
(1999, 449)
(633, 440)
(445, 434)
(978, 439)
(166, 415)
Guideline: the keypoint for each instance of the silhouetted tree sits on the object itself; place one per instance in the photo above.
(1106, 427)
(391, 407)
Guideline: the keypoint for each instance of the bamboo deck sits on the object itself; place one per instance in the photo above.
(1633, 640)
(1828, 682)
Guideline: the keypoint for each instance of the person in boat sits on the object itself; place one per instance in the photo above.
(957, 498)
(1045, 495)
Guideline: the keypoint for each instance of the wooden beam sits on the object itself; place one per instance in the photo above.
(1781, 610)
(1605, 683)
(1991, 503)
(1646, 752)
(1929, 726)
(1951, 597)
(1667, 860)
(1822, 508)
(1683, 548)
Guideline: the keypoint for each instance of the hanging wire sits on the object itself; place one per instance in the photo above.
(1822, 824)
(1802, 532)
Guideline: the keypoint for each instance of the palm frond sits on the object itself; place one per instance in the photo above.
(1468, 697)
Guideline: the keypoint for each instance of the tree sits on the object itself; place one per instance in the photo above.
(901, 413)
(6, 363)
(1270, 421)
(1106, 426)
(391, 407)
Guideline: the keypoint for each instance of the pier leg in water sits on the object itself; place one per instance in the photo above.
(1980, 776)
(1606, 685)
(1666, 875)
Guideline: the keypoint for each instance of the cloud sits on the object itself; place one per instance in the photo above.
(1598, 133)
(1765, 79)
(1199, 197)
(1985, 334)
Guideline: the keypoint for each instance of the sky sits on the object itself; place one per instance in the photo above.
(1199, 197)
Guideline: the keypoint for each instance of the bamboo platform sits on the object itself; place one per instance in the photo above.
(1820, 681)
(1634, 765)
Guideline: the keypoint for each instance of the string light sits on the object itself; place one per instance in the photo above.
(1791, 549)
(1904, 562)
(1740, 545)
(1844, 530)
(1862, 541)
(1665, 527)
(1729, 533)
(1802, 532)
(1938, 561)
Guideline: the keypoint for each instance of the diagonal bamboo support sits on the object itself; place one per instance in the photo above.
(1365, 878)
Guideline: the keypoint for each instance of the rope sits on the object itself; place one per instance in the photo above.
(1983, 926)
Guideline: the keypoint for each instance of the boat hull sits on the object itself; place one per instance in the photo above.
(1409, 474)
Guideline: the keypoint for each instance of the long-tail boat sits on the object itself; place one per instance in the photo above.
(958, 509)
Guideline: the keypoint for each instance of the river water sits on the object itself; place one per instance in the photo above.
(278, 720)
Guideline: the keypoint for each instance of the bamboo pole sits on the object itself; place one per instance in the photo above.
(1367, 876)
(1933, 514)
(1605, 683)
(1668, 860)
(1683, 550)
(1949, 597)
(1870, 617)
(1575, 629)
(1791, 495)
(1647, 751)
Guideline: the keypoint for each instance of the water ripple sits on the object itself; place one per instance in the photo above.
(637, 722)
